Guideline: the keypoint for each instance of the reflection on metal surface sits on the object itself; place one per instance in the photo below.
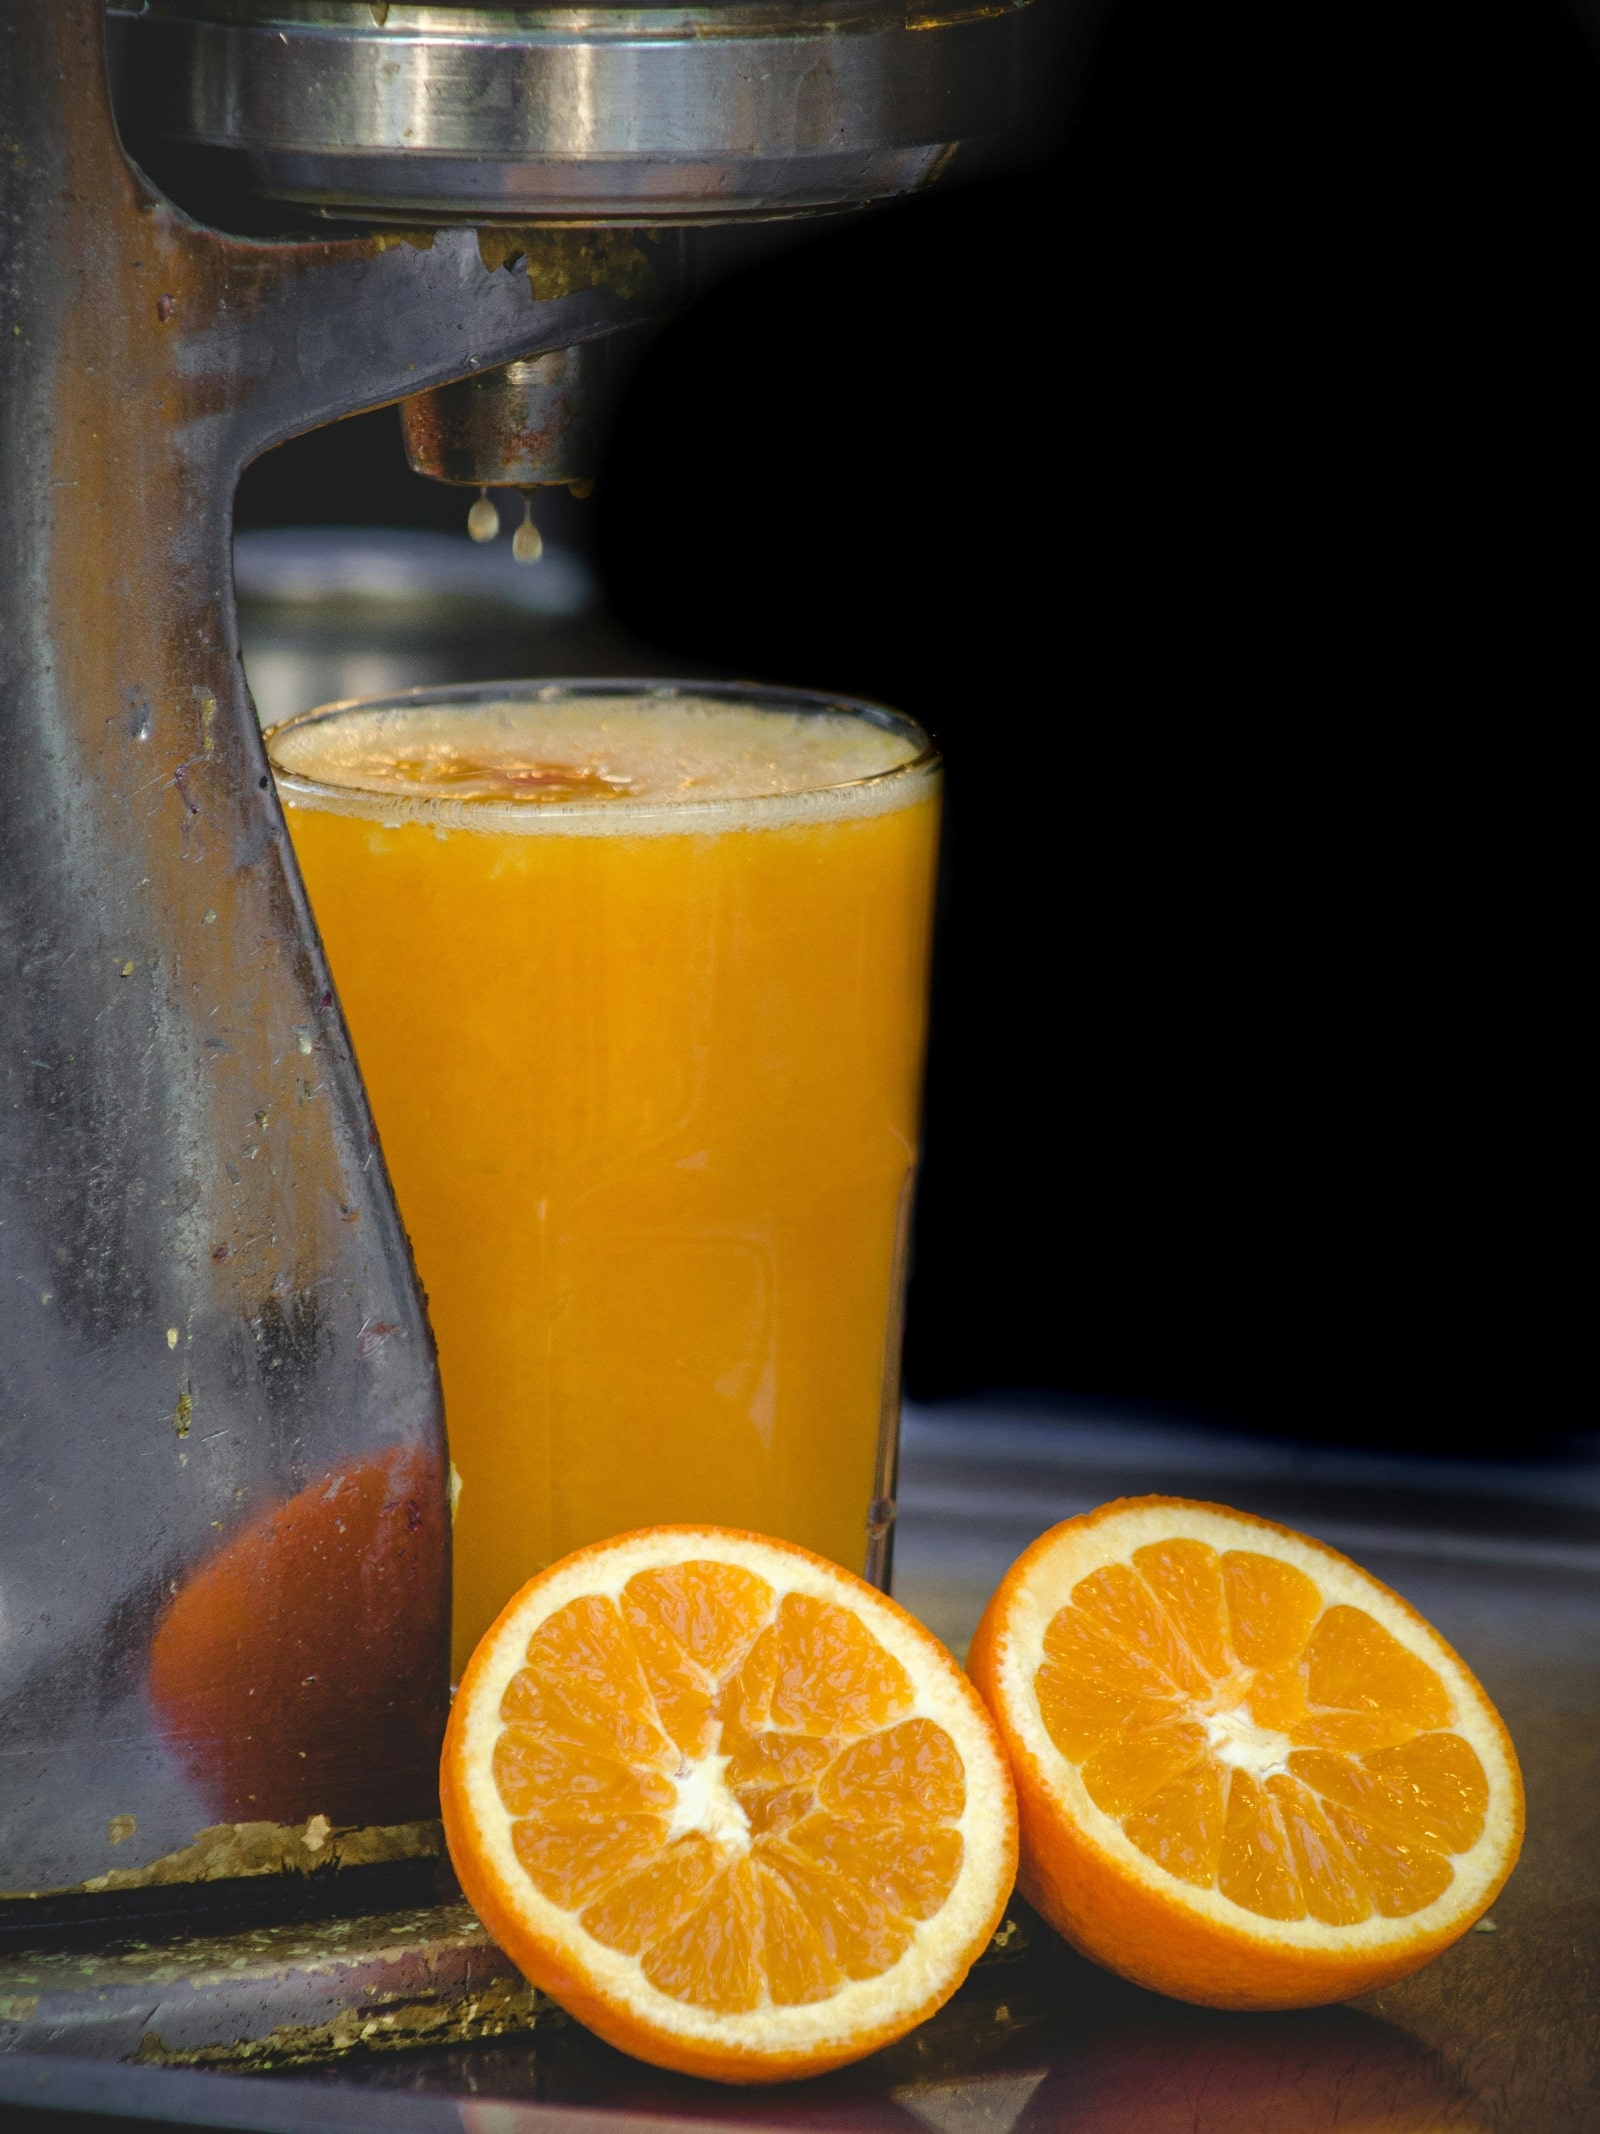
(307, 1991)
(636, 114)
(1150, 2070)
(278, 1994)
(245, 1632)
(209, 1328)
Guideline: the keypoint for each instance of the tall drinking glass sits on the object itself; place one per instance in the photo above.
(637, 977)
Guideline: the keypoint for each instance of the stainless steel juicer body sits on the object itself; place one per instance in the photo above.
(223, 1527)
(571, 116)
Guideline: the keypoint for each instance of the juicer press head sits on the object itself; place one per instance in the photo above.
(223, 1529)
(637, 116)
(587, 117)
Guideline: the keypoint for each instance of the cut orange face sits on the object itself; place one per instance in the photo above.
(731, 1807)
(1249, 1775)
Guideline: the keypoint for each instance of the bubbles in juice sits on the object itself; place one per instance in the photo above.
(650, 750)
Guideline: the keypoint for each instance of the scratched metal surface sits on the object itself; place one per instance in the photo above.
(1502, 2032)
(217, 1390)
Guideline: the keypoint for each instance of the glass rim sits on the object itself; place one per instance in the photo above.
(501, 814)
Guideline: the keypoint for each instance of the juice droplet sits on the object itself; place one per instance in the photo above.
(527, 544)
(483, 521)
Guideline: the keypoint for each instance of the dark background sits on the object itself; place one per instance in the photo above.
(1221, 492)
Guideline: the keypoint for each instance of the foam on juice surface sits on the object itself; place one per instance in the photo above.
(572, 762)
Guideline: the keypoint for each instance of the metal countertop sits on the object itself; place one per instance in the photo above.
(1501, 2032)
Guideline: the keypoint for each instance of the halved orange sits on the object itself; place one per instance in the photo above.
(1249, 1775)
(731, 1807)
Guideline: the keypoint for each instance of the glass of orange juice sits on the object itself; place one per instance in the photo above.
(637, 977)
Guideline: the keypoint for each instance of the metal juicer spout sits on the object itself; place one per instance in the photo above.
(533, 424)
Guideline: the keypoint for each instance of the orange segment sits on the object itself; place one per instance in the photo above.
(569, 1863)
(1257, 1867)
(1431, 1791)
(713, 1611)
(909, 1773)
(1123, 1609)
(1249, 1774)
(1356, 1732)
(1186, 1579)
(1125, 1773)
(1438, 1789)
(729, 1805)
(1402, 1876)
(683, 1697)
(541, 1774)
(688, 1633)
(645, 1907)
(713, 1958)
(586, 1658)
(1082, 1713)
(1334, 1888)
(858, 1930)
(1182, 1825)
(799, 1972)
(1356, 1665)
(1081, 1643)
(911, 1873)
(1277, 1700)
(1271, 1608)
(759, 1762)
(816, 1669)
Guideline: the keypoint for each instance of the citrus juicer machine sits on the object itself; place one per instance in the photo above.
(223, 1521)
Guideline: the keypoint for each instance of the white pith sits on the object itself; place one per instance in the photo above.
(1235, 1740)
(1056, 1563)
(940, 1947)
(706, 1806)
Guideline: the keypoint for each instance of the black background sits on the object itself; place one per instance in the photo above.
(1221, 491)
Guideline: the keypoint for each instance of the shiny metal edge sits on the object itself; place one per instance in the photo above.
(642, 112)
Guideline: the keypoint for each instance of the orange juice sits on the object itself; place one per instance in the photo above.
(638, 985)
